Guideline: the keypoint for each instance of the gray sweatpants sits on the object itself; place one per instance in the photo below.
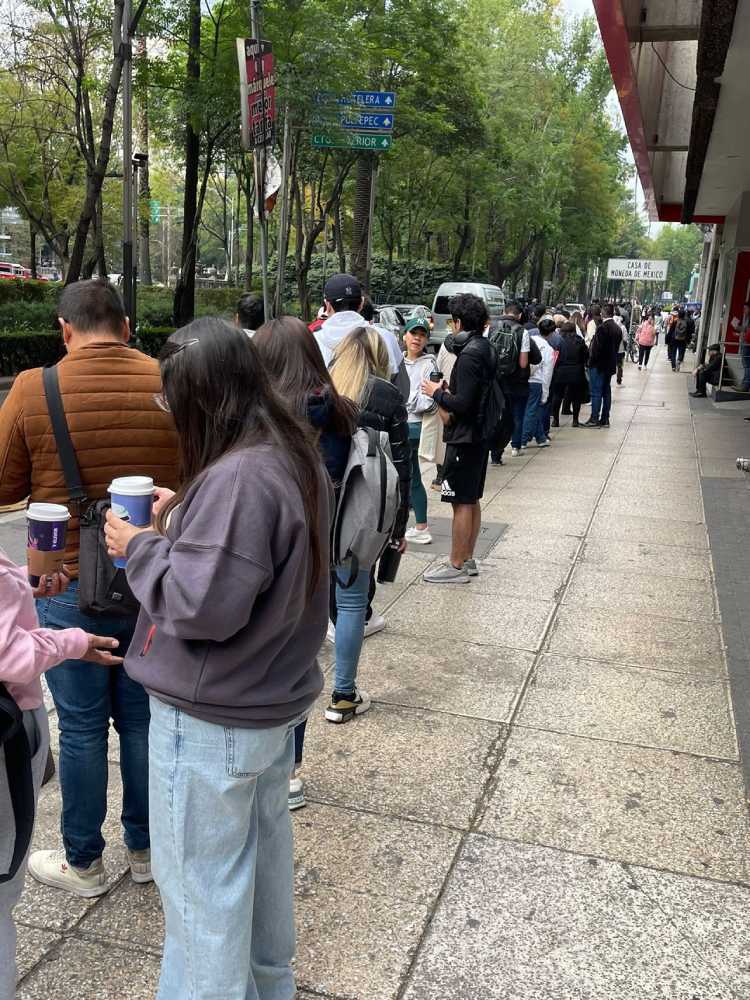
(37, 730)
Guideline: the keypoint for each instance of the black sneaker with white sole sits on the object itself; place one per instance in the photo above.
(344, 707)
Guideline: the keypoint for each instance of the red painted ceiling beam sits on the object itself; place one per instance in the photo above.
(672, 212)
(614, 33)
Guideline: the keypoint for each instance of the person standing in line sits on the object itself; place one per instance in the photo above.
(419, 366)
(576, 317)
(516, 385)
(467, 454)
(344, 304)
(602, 366)
(233, 585)
(595, 321)
(359, 371)
(26, 652)
(569, 381)
(742, 326)
(622, 347)
(539, 384)
(445, 362)
(295, 368)
(250, 315)
(645, 337)
(680, 333)
(107, 391)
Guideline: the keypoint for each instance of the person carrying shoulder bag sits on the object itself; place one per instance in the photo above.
(107, 408)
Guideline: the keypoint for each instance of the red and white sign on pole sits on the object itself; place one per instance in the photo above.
(257, 91)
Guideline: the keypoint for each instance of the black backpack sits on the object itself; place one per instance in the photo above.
(505, 337)
(492, 403)
(17, 754)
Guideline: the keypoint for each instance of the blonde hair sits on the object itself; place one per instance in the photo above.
(360, 355)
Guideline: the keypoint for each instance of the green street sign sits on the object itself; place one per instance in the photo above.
(155, 211)
(352, 140)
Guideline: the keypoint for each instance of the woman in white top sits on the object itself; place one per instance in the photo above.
(418, 366)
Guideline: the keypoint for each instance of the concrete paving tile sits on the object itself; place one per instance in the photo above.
(630, 705)
(614, 504)
(354, 946)
(546, 487)
(535, 543)
(647, 491)
(541, 580)
(641, 481)
(630, 553)
(449, 675)
(526, 515)
(33, 944)
(650, 530)
(130, 915)
(518, 922)
(402, 762)
(478, 617)
(642, 640)
(611, 590)
(710, 916)
(53, 909)
(642, 461)
(655, 808)
(720, 469)
(412, 565)
(86, 970)
(396, 859)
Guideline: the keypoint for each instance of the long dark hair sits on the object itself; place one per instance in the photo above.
(222, 400)
(295, 366)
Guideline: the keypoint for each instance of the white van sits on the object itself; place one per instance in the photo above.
(493, 297)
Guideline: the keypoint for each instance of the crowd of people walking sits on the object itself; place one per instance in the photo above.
(280, 463)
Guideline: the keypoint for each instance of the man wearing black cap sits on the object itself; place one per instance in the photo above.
(343, 302)
(708, 374)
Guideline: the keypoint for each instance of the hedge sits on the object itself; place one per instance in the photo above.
(21, 349)
(16, 290)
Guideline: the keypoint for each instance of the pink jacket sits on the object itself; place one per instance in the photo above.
(26, 650)
(646, 334)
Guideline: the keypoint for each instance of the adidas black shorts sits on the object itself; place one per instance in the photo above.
(464, 472)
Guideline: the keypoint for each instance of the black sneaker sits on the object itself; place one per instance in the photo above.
(344, 707)
(698, 395)
(604, 423)
(591, 423)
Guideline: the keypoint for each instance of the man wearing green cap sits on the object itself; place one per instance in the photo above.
(418, 366)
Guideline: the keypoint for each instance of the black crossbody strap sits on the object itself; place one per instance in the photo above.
(65, 449)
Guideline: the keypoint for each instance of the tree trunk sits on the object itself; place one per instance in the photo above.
(32, 251)
(101, 257)
(144, 213)
(184, 293)
(95, 177)
(362, 193)
(339, 235)
(464, 232)
(500, 269)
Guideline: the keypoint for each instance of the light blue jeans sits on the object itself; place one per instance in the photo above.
(222, 857)
(351, 611)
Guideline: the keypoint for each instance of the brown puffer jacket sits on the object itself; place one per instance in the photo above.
(117, 429)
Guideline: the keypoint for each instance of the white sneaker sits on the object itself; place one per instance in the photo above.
(375, 624)
(515, 452)
(420, 536)
(140, 866)
(52, 868)
(296, 793)
(331, 632)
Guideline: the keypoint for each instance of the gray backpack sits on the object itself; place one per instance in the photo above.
(368, 502)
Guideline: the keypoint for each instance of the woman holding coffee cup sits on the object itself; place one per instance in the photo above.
(26, 652)
(233, 585)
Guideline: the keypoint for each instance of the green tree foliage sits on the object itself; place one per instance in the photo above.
(682, 247)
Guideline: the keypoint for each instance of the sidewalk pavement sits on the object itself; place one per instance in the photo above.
(546, 800)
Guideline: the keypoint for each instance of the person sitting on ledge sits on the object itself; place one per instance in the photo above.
(708, 374)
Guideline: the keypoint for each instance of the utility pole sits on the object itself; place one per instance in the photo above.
(127, 164)
(371, 217)
(259, 158)
(284, 216)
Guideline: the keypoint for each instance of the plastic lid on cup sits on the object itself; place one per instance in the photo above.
(132, 486)
(119, 511)
(47, 512)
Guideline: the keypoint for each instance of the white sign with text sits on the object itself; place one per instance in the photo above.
(622, 269)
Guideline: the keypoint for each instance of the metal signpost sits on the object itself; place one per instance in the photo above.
(258, 107)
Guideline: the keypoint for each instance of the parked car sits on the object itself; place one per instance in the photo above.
(415, 312)
(493, 296)
(8, 270)
(573, 306)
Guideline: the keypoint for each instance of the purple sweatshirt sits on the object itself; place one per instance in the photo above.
(226, 631)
